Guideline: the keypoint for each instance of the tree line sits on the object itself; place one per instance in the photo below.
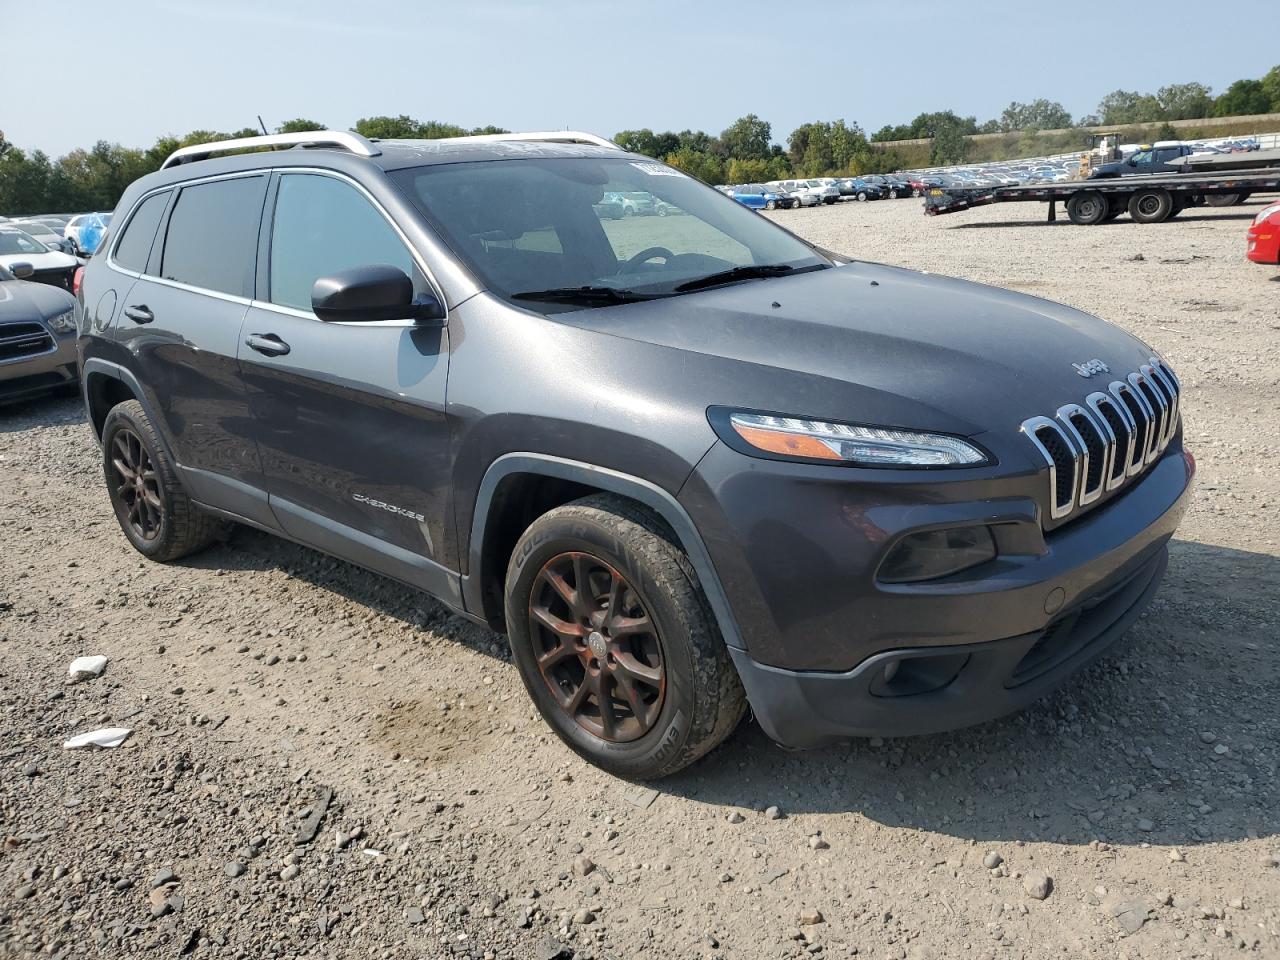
(744, 152)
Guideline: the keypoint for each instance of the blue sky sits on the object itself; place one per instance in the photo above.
(170, 66)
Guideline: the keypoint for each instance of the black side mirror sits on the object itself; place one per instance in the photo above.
(374, 292)
(22, 270)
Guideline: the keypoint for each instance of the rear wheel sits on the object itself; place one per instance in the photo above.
(1222, 199)
(862, 196)
(893, 194)
(771, 205)
(1151, 206)
(153, 510)
(1087, 208)
(615, 642)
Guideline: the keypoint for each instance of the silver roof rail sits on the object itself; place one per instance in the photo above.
(542, 136)
(315, 138)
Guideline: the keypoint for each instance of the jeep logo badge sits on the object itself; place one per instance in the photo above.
(1090, 367)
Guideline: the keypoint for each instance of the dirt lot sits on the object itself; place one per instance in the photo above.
(258, 676)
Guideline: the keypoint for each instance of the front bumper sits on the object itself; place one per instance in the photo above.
(826, 651)
(936, 689)
(40, 373)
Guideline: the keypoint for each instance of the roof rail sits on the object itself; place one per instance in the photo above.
(314, 138)
(543, 136)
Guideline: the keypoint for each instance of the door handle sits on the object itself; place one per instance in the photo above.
(267, 343)
(139, 313)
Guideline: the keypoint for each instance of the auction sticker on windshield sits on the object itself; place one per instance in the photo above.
(655, 169)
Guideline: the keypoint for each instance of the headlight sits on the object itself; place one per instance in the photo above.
(63, 322)
(793, 437)
(937, 553)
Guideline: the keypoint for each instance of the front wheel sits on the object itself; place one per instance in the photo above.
(862, 197)
(771, 205)
(614, 640)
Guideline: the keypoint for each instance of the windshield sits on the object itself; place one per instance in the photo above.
(555, 224)
(14, 241)
(37, 230)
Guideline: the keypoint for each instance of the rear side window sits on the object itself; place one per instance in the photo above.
(323, 225)
(212, 240)
(134, 246)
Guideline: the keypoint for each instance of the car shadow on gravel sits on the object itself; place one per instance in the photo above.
(60, 407)
(254, 551)
(1170, 739)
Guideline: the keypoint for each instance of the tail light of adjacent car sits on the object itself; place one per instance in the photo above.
(76, 280)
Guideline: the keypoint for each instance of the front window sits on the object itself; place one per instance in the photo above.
(14, 241)
(549, 227)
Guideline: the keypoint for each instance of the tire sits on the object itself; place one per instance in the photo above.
(862, 196)
(771, 205)
(1115, 207)
(893, 194)
(167, 525)
(1241, 198)
(1151, 206)
(696, 697)
(1222, 199)
(1087, 208)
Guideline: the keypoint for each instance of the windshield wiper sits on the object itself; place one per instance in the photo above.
(737, 273)
(587, 294)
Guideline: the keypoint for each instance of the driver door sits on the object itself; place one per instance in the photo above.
(350, 417)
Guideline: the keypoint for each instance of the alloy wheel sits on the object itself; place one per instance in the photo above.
(136, 484)
(597, 647)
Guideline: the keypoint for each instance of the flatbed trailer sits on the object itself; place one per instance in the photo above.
(1147, 199)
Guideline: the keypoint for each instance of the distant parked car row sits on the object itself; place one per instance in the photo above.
(815, 191)
(75, 234)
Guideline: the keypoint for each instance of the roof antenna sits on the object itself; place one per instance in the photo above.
(263, 126)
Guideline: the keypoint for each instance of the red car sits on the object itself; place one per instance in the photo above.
(1264, 236)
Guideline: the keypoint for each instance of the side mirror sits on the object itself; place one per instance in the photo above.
(22, 270)
(375, 292)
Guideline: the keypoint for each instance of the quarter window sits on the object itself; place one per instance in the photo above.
(134, 247)
(323, 225)
(212, 240)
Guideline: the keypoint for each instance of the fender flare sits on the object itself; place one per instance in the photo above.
(652, 496)
(114, 371)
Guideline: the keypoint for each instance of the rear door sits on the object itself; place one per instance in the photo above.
(350, 417)
(181, 323)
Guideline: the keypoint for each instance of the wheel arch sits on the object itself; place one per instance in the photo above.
(519, 487)
(106, 385)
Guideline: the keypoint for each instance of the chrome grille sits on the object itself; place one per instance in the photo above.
(21, 340)
(1098, 446)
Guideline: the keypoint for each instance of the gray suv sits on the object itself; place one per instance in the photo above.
(688, 464)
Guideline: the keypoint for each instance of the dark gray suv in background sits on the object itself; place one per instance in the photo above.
(687, 463)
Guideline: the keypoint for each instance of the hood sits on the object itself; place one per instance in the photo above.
(21, 300)
(50, 260)
(965, 358)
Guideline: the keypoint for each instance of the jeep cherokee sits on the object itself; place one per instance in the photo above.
(686, 463)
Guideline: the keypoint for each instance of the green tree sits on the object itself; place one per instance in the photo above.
(1184, 101)
(1271, 86)
(707, 167)
(387, 128)
(950, 145)
(1038, 114)
(747, 138)
(300, 125)
(1126, 106)
(1242, 98)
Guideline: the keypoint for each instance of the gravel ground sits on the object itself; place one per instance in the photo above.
(325, 764)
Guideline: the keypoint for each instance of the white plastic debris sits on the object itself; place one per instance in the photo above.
(86, 668)
(107, 737)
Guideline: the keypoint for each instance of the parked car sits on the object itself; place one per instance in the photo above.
(759, 197)
(891, 187)
(1149, 160)
(1264, 236)
(826, 189)
(85, 230)
(864, 190)
(48, 266)
(800, 192)
(37, 335)
(45, 234)
(636, 204)
(683, 479)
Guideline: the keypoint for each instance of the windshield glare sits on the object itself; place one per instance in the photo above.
(15, 241)
(540, 224)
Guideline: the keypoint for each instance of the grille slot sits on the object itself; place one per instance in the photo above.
(20, 340)
(1098, 447)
